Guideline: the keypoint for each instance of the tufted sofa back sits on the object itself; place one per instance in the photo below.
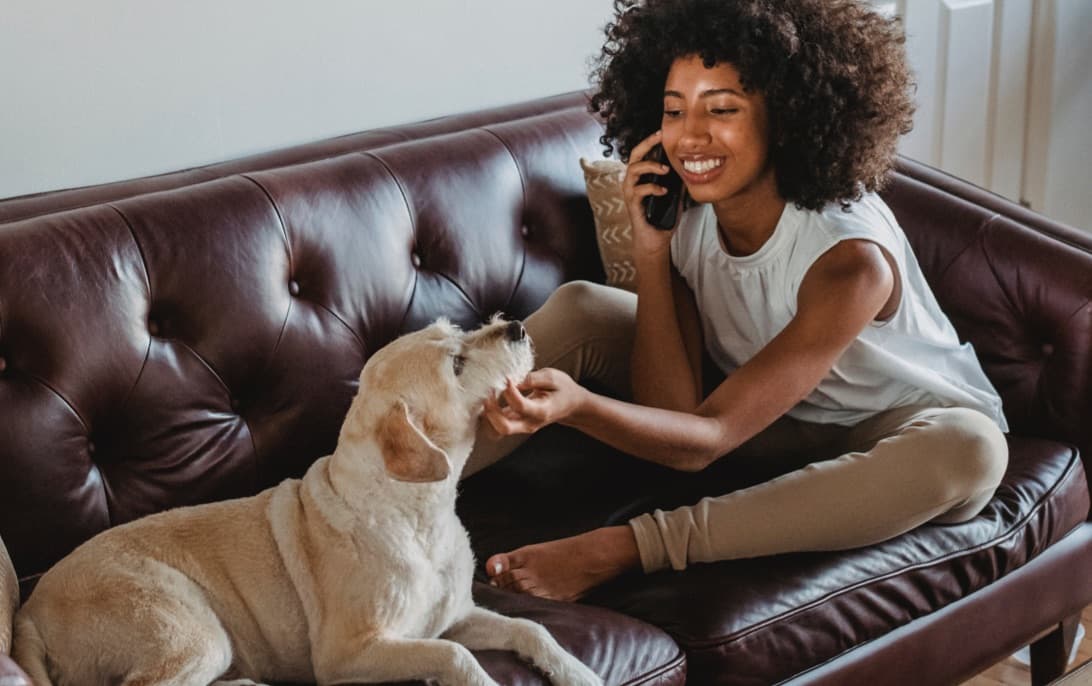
(1015, 284)
(198, 336)
(204, 342)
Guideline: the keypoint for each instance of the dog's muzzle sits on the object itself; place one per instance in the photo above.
(515, 331)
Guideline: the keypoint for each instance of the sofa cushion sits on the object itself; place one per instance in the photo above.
(620, 649)
(613, 231)
(763, 620)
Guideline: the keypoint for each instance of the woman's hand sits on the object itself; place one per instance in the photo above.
(647, 240)
(551, 396)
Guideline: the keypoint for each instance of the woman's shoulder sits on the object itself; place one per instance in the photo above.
(864, 218)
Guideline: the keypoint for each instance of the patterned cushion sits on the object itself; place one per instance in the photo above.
(612, 228)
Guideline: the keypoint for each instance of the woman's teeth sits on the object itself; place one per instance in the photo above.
(701, 166)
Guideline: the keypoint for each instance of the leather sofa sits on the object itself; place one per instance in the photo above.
(197, 336)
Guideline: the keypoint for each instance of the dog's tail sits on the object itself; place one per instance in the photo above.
(9, 598)
(29, 651)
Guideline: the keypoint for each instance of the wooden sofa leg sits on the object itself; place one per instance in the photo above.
(1050, 654)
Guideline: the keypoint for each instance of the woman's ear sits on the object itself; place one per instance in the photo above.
(408, 454)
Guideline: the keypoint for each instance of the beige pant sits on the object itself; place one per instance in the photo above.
(845, 487)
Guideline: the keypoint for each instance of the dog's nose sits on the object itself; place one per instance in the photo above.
(515, 331)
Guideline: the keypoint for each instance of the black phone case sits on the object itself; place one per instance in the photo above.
(662, 211)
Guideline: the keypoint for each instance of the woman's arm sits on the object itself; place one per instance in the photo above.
(841, 294)
(665, 366)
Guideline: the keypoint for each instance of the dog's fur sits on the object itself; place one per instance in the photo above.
(359, 572)
(9, 598)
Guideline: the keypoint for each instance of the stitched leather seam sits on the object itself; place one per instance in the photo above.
(515, 160)
(209, 175)
(519, 282)
(291, 269)
(671, 666)
(148, 283)
(523, 189)
(993, 269)
(834, 658)
(413, 230)
(65, 400)
(108, 201)
(1067, 475)
(280, 219)
(954, 187)
(413, 225)
(975, 240)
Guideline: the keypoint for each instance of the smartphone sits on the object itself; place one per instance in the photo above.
(662, 211)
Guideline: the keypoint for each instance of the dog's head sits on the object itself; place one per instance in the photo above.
(421, 395)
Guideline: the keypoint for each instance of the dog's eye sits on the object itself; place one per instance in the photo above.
(457, 362)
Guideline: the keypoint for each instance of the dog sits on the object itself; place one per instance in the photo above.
(358, 572)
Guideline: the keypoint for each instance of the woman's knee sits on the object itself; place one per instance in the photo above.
(585, 305)
(976, 447)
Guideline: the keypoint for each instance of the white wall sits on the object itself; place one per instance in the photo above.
(1005, 97)
(1058, 173)
(100, 90)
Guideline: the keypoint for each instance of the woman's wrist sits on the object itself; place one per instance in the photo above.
(651, 253)
(653, 268)
(580, 410)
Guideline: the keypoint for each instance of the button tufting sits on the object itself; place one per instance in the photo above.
(525, 231)
(235, 404)
(294, 287)
(3, 365)
(1047, 349)
(90, 447)
(153, 327)
(416, 260)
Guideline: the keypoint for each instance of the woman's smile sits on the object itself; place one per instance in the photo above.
(699, 170)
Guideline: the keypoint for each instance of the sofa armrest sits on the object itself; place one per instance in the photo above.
(10, 674)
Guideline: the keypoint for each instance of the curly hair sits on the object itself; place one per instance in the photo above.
(833, 74)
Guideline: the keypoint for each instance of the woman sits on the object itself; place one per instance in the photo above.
(781, 117)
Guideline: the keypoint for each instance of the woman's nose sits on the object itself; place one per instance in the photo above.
(694, 128)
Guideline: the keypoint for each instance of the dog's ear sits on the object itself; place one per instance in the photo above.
(408, 454)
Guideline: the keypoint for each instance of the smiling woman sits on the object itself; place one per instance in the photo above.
(781, 117)
(833, 75)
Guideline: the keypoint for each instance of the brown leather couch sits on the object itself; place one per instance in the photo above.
(197, 336)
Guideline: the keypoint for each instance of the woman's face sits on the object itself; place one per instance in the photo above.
(715, 134)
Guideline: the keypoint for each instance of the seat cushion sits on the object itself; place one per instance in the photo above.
(763, 620)
(620, 649)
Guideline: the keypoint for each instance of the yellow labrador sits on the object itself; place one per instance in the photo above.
(359, 572)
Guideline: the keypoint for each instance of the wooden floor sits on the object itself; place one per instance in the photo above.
(1012, 673)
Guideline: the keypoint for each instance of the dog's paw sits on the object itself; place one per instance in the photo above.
(572, 672)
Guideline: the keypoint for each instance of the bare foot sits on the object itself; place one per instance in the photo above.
(566, 569)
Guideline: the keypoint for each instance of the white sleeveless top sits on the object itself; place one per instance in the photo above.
(914, 358)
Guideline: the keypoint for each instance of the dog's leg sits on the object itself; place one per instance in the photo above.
(193, 669)
(483, 629)
(384, 659)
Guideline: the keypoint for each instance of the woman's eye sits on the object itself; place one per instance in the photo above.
(457, 363)
(724, 110)
(671, 114)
